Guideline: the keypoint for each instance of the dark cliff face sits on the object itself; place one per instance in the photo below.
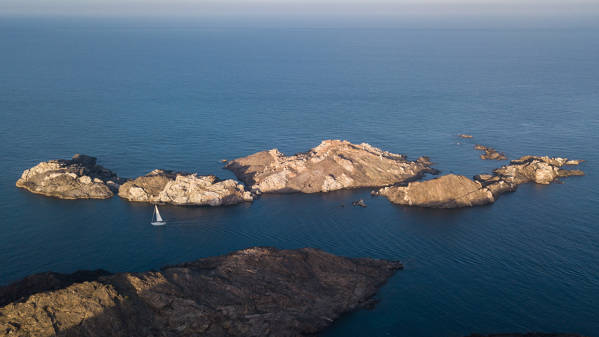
(252, 292)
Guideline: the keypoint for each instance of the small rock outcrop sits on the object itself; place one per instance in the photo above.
(453, 191)
(448, 191)
(490, 153)
(463, 135)
(178, 188)
(78, 178)
(252, 292)
(332, 165)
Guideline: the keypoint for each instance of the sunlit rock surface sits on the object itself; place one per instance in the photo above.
(453, 191)
(179, 188)
(78, 178)
(332, 165)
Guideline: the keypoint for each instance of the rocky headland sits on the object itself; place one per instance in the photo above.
(78, 178)
(453, 191)
(332, 165)
(490, 153)
(178, 188)
(252, 292)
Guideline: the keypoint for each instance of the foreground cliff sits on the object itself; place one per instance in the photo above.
(332, 165)
(78, 178)
(179, 188)
(252, 292)
(453, 191)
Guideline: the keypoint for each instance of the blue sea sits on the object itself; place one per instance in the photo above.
(141, 95)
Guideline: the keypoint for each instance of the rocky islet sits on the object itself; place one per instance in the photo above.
(330, 166)
(77, 178)
(454, 191)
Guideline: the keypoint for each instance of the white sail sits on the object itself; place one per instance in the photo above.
(158, 217)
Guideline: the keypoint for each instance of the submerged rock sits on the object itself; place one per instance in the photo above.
(448, 191)
(453, 191)
(179, 188)
(332, 165)
(360, 203)
(78, 178)
(252, 292)
(490, 153)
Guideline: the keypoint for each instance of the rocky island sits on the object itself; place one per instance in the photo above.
(252, 292)
(78, 178)
(453, 191)
(178, 188)
(332, 165)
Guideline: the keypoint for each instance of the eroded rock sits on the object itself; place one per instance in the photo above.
(78, 178)
(332, 165)
(252, 292)
(180, 188)
(463, 135)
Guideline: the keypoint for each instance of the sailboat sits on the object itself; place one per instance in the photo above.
(156, 218)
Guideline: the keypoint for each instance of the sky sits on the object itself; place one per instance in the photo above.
(387, 8)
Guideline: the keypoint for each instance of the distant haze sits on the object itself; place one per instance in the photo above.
(334, 8)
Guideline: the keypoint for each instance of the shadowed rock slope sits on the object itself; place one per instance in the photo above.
(453, 191)
(332, 165)
(252, 292)
(78, 178)
(179, 188)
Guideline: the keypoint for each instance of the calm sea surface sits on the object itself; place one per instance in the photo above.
(183, 97)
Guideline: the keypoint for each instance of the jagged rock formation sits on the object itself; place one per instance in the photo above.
(448, 191)
(490, 153)
(332, 165)
(452, 191)
(78, 178)
(179, 188)
(252, 292)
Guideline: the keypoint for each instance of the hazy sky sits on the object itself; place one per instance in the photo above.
(304, 7)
